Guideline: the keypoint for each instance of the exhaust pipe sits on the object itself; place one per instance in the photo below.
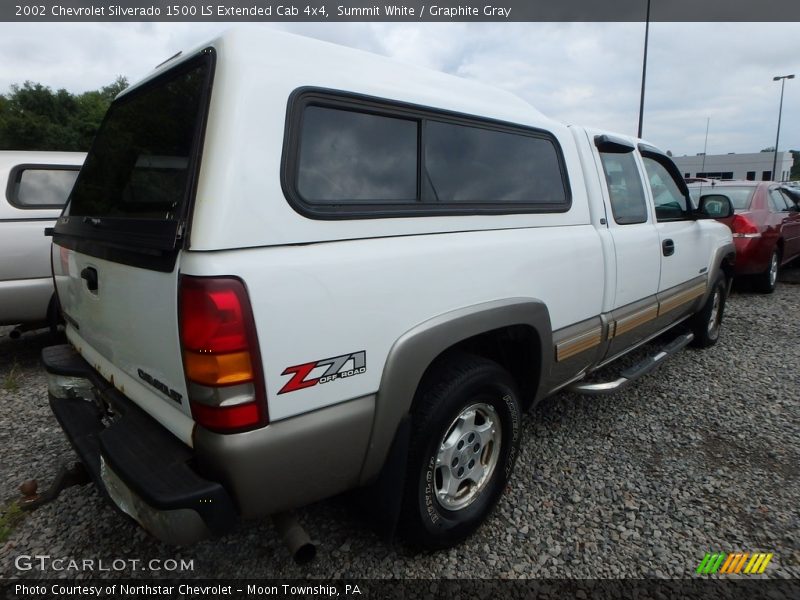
(15, 334)
(295, 537)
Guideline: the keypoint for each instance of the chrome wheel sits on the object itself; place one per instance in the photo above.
(467, 456)
(773, 269)
(715, 317)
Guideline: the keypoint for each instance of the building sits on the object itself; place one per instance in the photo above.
(756, 166)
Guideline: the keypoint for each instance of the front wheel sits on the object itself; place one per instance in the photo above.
(706, 324)
(466, 436)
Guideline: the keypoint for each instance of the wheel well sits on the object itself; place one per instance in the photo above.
(516, 348)
(727, 266)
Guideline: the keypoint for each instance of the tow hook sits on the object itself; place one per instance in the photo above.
(66, 477)
(295, 537)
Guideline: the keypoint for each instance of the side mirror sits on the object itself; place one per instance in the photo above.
(714, 206)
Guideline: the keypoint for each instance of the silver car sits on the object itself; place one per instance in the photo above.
(37, 186)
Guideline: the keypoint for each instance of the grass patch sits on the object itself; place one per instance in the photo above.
(10, 516)
(12, 381)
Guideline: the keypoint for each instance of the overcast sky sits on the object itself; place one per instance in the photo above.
(583, 73)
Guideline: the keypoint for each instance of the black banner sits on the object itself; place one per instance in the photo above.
(391, 589)
(401, 11)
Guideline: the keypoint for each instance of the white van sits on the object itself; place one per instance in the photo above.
(289, 269)
(36, 187)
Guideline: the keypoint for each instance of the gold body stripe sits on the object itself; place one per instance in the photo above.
(635, 320)
(580, 343)
(681, 298)
(589, 339)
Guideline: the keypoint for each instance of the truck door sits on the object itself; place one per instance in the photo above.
(685, 247)
(636, 245)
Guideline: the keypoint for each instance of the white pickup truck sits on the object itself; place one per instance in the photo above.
(290, 269)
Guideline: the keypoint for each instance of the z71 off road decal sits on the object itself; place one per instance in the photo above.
(338, 367)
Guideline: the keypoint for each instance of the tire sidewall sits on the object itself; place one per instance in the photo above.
(775, 256)
(719, 287)
(700, 321)
(445, 525)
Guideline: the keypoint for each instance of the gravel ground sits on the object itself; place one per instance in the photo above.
(701, 456)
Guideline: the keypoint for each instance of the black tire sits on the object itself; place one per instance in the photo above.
(706, 323)
(460, 383)
(765, 282)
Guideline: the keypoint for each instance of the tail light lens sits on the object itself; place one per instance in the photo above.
(743, 227)
(220, 354)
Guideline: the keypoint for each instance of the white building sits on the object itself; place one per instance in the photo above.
(756, 166)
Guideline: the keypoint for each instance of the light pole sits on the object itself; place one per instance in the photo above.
(782, 79)
(644, 68)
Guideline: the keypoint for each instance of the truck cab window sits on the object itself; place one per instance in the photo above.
(624, 188)
(670, 202)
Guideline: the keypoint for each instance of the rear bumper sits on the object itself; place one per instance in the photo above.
(144, 470)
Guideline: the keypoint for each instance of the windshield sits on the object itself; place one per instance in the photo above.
(140, 163)
(740, 195)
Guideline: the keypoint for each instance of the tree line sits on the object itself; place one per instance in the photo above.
(34, 117)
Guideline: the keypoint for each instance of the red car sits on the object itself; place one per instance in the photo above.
(765, 226)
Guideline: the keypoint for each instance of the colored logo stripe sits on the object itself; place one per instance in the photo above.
(711, 563)
(730, 564)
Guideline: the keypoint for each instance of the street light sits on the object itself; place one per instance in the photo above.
(782, 79)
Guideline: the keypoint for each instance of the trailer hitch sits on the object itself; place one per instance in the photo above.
(66, 477)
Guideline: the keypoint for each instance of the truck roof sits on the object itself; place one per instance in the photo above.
(258, 50)
(257, 72)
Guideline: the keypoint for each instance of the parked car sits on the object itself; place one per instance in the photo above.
(766, 227)
(36, 187)
(359, 280)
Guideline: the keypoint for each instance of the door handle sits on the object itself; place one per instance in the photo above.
(90, 275)
(668, 247)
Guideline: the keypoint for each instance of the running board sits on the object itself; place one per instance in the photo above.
(633, 373)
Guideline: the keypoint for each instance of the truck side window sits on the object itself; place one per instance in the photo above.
(624, 188)
(348, 156)
(464, 163)
(356, 157)
(669, 200)
(37, 187)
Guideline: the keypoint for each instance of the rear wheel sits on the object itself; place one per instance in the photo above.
(465, 441)
(706, 324)
(766, 281)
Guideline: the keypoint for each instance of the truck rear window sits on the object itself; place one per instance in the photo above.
(140, 164)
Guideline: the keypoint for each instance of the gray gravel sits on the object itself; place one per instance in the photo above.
(701, 456)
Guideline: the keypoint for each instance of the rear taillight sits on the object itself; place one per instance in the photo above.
(743, 227)
(220, 354)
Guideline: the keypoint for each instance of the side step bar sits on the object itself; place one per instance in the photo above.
(633, 373)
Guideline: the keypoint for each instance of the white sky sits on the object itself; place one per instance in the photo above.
(584, 73)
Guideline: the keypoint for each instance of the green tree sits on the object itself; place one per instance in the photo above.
(34, 117)
(794, 174)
